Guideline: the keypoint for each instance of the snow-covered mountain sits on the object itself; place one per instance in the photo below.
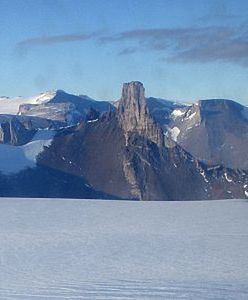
(214, 131)
(54, 105)
(14, 159)
(63, 107)
(137, 148)
(11, 105)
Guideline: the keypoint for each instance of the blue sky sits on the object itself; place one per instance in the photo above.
(180, 50)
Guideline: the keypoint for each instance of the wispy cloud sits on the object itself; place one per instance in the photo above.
(56, 39)
(194, 44)
(129, 50)
(23, 47)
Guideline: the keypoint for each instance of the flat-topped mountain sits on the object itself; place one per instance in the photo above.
(214, 131)
(64, 107)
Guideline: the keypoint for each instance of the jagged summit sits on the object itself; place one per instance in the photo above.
(133, 113)
(132, 108)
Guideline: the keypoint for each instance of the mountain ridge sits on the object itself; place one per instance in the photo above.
(140, 149)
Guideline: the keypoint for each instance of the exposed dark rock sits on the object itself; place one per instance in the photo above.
(92, 115)
(134, 152)
(133, 113)
(45, 182)
(214, 131)
(119, 154)
(14, 132)
(19, 130)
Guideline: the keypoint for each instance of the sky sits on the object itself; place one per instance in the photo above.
(180, 49)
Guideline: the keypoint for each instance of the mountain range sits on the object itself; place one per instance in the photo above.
(62, 145)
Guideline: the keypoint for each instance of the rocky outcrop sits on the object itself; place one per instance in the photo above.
(13, 132)
(133, 113)
(56, 112)
(214, 131)
(118, 154)
(125, 154)
(134, 118)
(132, 110)
(65, 107)
(19, 130)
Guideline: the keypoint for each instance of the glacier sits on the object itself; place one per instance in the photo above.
(93, 249)
(14, 159)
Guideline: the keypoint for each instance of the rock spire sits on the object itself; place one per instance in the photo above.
(133, 113)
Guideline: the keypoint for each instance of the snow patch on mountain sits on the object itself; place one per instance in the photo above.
(17, 158)
(43, 97)
(204, 175)
(227, 178)
(177, 113)
(191, 116)
(92, 121)
(11, 105)
(174, 133)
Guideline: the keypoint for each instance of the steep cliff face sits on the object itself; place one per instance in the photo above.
(13, 132)
(124, 154)
(19, 130)
(64, 107)
(132, 109)
(133, 113)
(156, 168)
(214, 131)
(137, 124)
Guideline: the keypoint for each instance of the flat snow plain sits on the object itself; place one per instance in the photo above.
(89, 249)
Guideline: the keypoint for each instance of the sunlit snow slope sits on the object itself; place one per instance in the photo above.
(17, 158)
(11, 105)
(69, 249)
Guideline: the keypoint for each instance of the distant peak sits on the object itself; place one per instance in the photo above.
(44, 97)
(218, 104)
(133, 83)
(132, 107)
(85, 97)
(59, 91)
(133, 112)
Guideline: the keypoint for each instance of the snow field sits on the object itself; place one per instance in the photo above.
(89, 249)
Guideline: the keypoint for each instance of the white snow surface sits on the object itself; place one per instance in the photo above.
(89, 249)
(92, 121)
(227, 178)
(11, 105)
(174, 133)
(204, 175)
(16, 158)
(191, 116)
(177, 113)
